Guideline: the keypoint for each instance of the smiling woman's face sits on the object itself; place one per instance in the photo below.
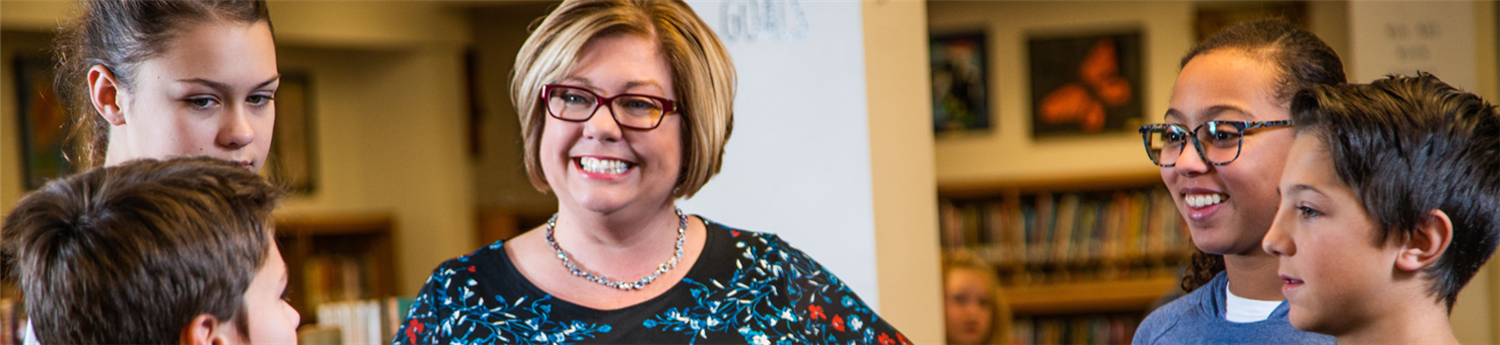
(210, 93)
(598, 165)
(1227, 85)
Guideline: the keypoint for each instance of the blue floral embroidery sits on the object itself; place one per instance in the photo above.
(753, 304)
(470, 319)
(775, 294)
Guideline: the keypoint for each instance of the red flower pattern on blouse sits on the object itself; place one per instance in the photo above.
(412, 330)
(471, 269)
(816, 312)
(838, 323)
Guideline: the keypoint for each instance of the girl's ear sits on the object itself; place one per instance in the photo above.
(205, 330)
(105, 92)
(1428, 243)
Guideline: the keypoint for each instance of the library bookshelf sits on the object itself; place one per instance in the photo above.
(336, 257)
(1081, 258)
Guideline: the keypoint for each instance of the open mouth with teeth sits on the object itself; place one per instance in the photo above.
(1204, 200)
(602, 167)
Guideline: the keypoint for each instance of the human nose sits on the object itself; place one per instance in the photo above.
(1190, 160)
(1277, 242)
(296, 317)
(602, 125)
(236, 131)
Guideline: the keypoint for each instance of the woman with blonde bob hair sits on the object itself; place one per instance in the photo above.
(625, 107)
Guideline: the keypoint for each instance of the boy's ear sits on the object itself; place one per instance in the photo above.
(205, 330)
(104, 93)
(1428, 243)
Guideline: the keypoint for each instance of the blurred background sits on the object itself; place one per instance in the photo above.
(872, 135)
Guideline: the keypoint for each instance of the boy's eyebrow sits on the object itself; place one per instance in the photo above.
(1303, 187)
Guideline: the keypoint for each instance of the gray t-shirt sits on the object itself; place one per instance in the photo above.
(1198, 318)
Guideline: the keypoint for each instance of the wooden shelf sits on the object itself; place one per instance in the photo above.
(1092, 297)
(1055, 183)
(365, 237)
(334, 224)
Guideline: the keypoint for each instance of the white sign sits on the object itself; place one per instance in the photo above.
(1403, 37)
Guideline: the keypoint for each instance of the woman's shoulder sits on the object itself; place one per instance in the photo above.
(774, 282)
(487, 269)
(760, 246)
(746, 238)
(484, 256)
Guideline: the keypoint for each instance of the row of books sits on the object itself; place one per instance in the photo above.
(331, 278)
(1068, 229)
(371, 321)
(1088, 329)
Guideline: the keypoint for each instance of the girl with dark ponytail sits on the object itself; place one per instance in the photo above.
(1221, 149)
(163, 78)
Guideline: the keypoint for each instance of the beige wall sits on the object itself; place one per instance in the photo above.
(901, 163)
(390, 112)
(500, 175)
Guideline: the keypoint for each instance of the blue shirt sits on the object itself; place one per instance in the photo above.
(1198, 318)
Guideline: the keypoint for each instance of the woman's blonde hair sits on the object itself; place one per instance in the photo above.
(703, 76)
(1000, 315)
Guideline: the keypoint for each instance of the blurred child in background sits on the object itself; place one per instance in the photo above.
(973, 303)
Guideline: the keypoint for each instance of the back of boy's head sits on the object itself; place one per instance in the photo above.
(131, 254)
(1410, 145)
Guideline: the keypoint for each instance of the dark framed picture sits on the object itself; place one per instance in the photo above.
(960, 96)
(1215, 16)
(293, 158)
(43, 122)
(1085, 84)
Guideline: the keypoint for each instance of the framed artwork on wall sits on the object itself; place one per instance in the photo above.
(293, 159)
(43, 127)
(1085, 83)
(960, 96)
(1214, 16)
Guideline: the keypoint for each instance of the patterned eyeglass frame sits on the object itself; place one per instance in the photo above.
(668, 107)
(1240, 126)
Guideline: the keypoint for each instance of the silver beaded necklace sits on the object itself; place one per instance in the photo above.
(622, 285)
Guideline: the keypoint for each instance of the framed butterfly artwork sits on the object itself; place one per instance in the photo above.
(1085, 84)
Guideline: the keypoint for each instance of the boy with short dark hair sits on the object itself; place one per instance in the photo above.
(152, 252)
(1390, 203)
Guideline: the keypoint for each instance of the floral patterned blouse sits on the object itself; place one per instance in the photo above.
(746, 288)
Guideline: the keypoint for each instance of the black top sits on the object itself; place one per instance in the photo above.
(745, 288)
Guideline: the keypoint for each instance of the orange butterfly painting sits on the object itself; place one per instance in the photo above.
(1084, 85)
